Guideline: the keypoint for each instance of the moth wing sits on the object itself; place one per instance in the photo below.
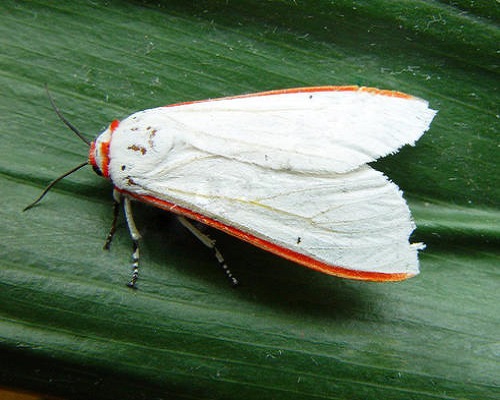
(354, 225)
(319, 130)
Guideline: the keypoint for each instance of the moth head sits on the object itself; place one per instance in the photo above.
(99, 150)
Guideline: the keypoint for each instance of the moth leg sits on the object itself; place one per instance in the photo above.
(211, 245)
(135, 235)
(116, 211)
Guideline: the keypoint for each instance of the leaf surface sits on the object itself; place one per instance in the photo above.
(68, 324)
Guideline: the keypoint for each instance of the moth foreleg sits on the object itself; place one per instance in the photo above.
(135, 235)
(116, 211)
(205, 239)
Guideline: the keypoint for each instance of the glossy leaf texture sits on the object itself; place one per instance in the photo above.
(68, 324)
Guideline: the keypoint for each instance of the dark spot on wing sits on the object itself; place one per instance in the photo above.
(152, 134)
(130, 181)
(136, 147)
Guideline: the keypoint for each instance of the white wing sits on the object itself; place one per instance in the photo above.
(284, 171)
(318, 130)
(357, 221)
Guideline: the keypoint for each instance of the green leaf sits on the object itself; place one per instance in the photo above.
(68, 324)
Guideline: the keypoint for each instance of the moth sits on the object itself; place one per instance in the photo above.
(285, 170)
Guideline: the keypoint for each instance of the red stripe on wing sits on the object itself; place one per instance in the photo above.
(284, 252)
(352, 88)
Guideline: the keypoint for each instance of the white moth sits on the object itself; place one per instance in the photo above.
(284, 170)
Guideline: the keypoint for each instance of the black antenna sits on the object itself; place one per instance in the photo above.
(63, 118)
(78, 133)
(51, 184)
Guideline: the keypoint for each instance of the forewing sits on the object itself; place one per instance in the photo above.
(357, 221)
(319, 130)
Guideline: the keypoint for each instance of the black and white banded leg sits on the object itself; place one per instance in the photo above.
(211, 245)
(116, 211)
(136, 236)
(134, 233)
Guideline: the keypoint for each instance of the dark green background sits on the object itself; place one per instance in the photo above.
(68, 324)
